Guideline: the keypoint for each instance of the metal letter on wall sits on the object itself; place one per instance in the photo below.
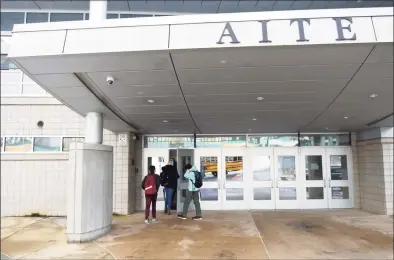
(301, 30)
(264, 31)
(230, 33)
(340, 28)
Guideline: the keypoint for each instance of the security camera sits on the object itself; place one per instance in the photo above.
(110, 80)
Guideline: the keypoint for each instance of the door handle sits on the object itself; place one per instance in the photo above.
(329, 182)
(272, 184)
(324, 181)
(277, 184)
(224, 185)
(218, 185)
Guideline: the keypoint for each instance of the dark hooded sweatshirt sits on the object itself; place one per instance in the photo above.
(170, 175)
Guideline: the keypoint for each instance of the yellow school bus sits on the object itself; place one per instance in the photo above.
(233, 164)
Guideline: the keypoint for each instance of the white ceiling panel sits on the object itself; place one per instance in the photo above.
(129, 78)
(141, 101)
(271, 56)
(253, 98)
(279, 106)
(141, 91)
(129, 110)
(381, 53)
(244, 74)
(265, 87)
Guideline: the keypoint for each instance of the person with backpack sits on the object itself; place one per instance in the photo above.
(193, 192)
(151, 184)
(169, 180)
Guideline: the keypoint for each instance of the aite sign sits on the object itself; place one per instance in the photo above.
(342, 25)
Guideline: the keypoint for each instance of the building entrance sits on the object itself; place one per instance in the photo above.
(263, 178)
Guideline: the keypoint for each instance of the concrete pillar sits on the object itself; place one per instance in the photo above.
(375, 165)
(94, 128)
(97, 10)
(89, 192)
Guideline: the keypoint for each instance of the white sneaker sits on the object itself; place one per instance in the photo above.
(146, 221)
(153, 220)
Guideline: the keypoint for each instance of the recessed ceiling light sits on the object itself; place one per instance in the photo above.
(223, 61)
(260, 98)
(254, 119)
(140, 93)
(165, 121)
(345, 117)
(326, 128)
(250, 129)
(359, 1)
(151, 101)
(373, 95)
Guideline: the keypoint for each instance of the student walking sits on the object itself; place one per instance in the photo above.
(193, 192)
(151, 185)
(169, 180)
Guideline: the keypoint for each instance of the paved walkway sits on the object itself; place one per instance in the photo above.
(343, 234)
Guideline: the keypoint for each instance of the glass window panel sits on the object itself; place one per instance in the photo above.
(263, 193)
(314, 193)
(261, 168)
(209, 166)
(47, 144)
(286, 168)
(287, 193)
(2, 143)
(209, 194)
(313, 167)
(87, 16)
(220, 141)
(112, 16)
(68, 140)
(37, 17)
(160, 194)
(18, 144)
(325, 140)
(158, 162)
(6, 63)
(8, 19)
(184, 160)
(234, 194)
(338, 167)
(234, 168)
(134, 15)
(273, 141)
(168, 142)
(340, 193)
(64, 17)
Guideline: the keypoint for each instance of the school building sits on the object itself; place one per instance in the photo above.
(283, 104)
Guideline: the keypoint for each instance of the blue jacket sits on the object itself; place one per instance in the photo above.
(189, 174)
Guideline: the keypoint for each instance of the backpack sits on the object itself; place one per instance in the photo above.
(198, 179)
(164, 178)
(150, 185)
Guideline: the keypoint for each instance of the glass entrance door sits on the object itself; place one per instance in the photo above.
(287, 180)
(314, 176)
(259, 164)
(340, 176)
(209, 162)
(158, 158)
(233, 179)
(184, 156)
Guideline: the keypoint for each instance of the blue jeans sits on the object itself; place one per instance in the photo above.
(169, 193)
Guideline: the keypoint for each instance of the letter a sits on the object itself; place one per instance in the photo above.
(229, 33)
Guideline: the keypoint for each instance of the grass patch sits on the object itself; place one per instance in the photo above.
(36, 215)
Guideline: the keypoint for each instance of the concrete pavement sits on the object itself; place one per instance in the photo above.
(338, 234)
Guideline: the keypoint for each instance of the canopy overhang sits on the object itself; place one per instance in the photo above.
(291, 71)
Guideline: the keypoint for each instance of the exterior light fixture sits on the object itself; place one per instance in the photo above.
(151, 101)
(260, 98)
(326, 128)
(223, 61)
(250, 129)
(373, 95)
(345, 117)
(165, 121)
(254, 119)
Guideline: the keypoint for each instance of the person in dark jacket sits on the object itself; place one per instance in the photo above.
(169, 178)
(151, 198)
